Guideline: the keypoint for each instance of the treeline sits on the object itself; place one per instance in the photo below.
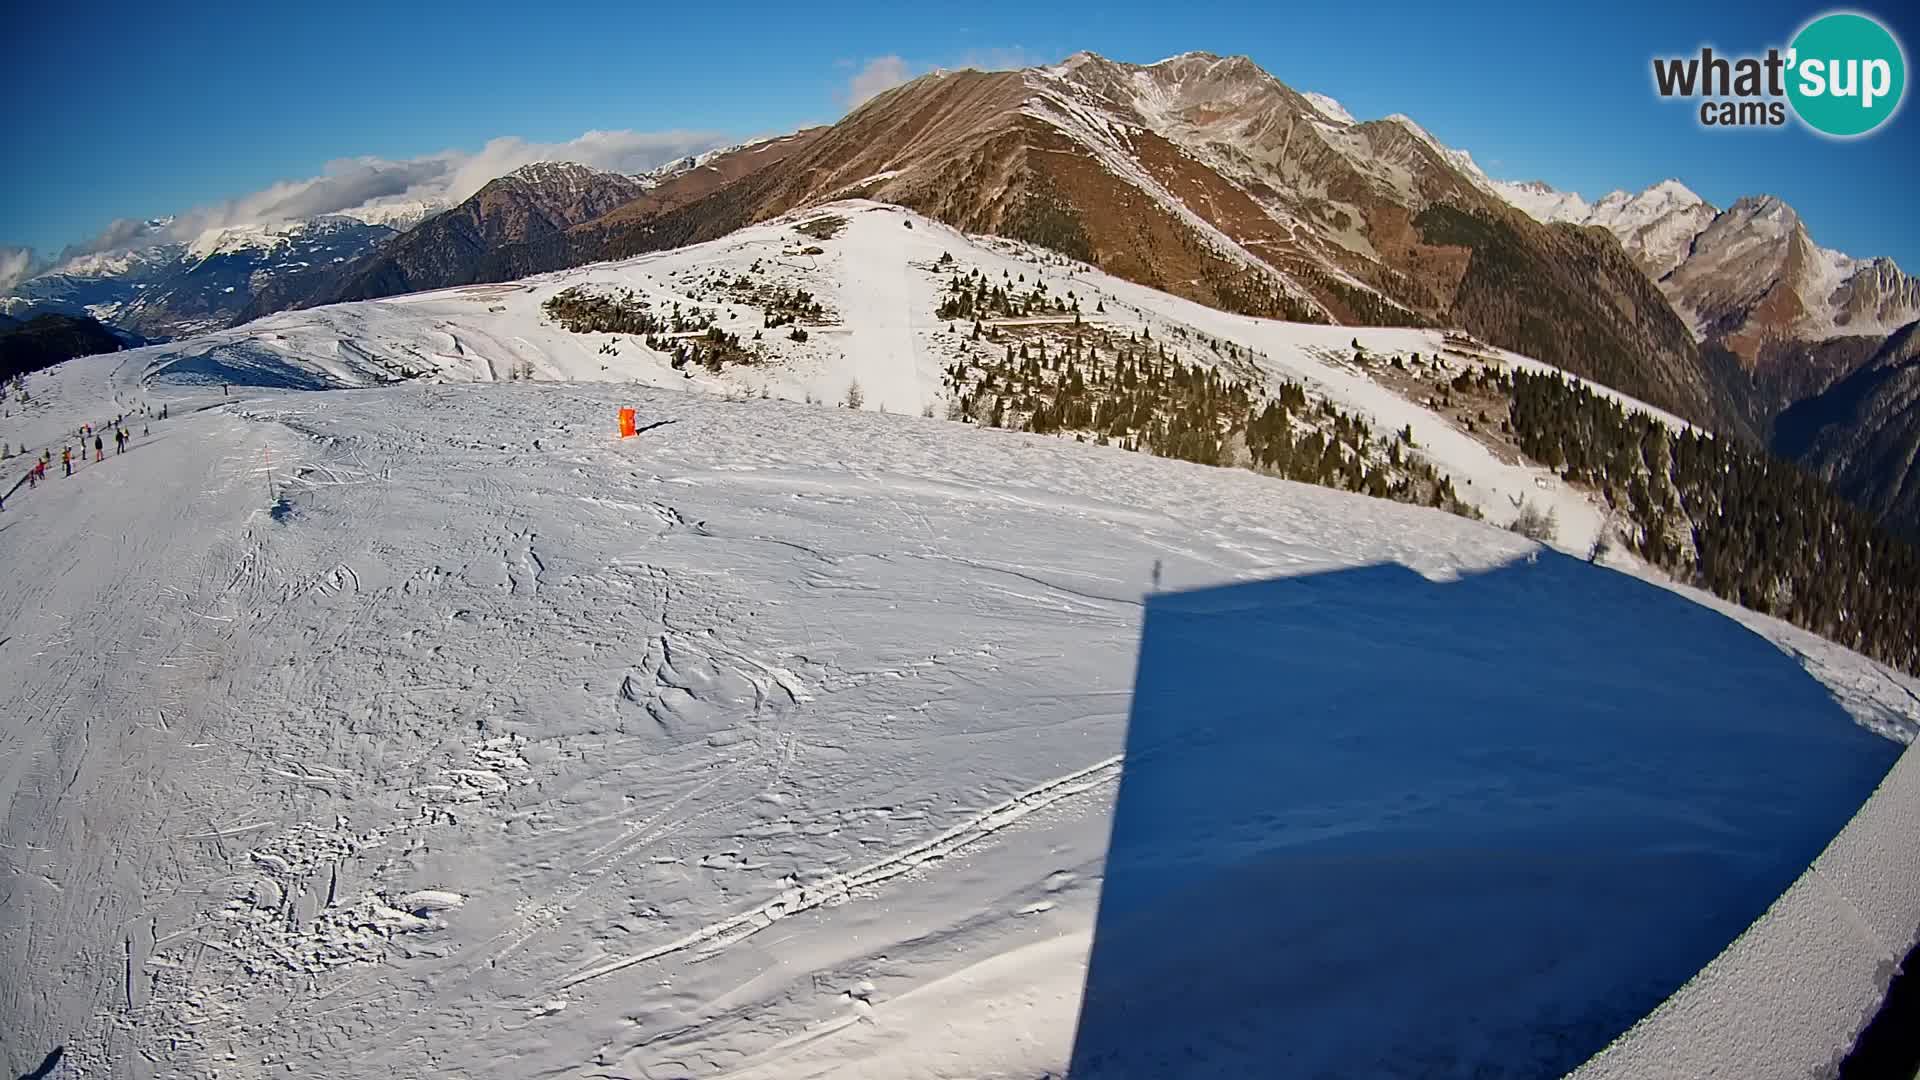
(687, 335)
(973, 296)
(587, 312)
(1140, 397)
(714, 350)
(1746, 526)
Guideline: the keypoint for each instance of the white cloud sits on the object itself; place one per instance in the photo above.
(1010, 58)
(360, 184)
(883, 73)
(880, 74)
(16, 264)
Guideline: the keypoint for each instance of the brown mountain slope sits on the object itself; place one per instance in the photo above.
(1201, 175)
(1862, 434)
(1207, 178)
(534, 204)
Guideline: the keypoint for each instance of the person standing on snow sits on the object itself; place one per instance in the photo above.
(99, 449)
(66, 459)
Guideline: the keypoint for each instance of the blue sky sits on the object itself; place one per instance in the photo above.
(119, 112)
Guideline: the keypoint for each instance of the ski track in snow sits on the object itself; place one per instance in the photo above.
(433, 728)
(841, 886)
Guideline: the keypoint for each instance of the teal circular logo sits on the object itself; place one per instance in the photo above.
(1847, 74)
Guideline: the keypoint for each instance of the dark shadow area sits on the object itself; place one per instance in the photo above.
(656, 424)
(47, 1066)
(241, 364)
(1889, 1047)
(1374, 825)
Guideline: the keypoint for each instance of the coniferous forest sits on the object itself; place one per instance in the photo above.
(1133, 393)
(1743, 525)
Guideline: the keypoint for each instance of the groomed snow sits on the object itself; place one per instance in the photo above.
(431, 728)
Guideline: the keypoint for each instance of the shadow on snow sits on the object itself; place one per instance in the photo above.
(1372, 824)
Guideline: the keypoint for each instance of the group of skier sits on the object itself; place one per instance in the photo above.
(122, 438)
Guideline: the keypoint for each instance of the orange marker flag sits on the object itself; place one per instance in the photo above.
(626, 423)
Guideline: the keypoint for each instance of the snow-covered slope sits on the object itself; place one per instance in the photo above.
(1330, 108)
(879, 280)
(1657, 226)
(1543, 202)
(433, 729)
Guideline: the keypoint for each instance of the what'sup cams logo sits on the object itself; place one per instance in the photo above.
(1843, 75)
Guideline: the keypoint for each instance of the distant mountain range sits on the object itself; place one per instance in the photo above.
(169, 288)
(530, 204)
(1208, 178)
(1816, 347)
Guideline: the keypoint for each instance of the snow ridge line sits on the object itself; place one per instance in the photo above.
(841, 886)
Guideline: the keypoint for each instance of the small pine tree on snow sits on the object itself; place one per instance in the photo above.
(855, 398)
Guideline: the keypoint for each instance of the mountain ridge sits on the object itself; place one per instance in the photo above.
(1208, 177)
(1200, 174)
(1798, 334)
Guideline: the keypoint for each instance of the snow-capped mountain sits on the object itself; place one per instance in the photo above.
(1657, 226)
(1207, 176)
(1754, 275)
(1814, 344)
(99, 285)
(1200, 173)
(1746, 276)
(660, 174)
(398, 214)
(531, 206)
(172, 287)
(569, 184)
(1330, 108)
(175, 286)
